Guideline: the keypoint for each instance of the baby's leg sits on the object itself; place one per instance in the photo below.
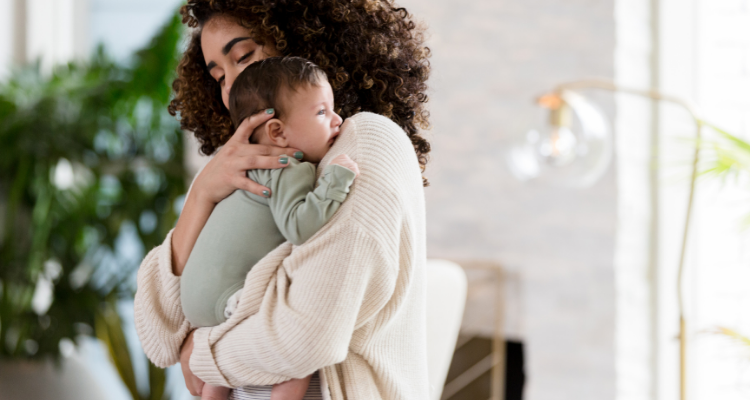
(294, 389)
(211, 392)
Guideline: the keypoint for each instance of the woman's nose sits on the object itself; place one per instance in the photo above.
(229, 77)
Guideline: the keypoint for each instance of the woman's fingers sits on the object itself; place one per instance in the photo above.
(198, 385)
(246, 128)
(279, 151)
(252, 150)
(262, 162)
(193, 383)
(251, 186)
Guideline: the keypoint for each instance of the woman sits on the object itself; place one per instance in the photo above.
(349, 302)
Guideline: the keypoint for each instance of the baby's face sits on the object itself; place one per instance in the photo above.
(310, 124)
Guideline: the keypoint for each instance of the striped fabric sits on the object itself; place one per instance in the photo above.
(314, 391)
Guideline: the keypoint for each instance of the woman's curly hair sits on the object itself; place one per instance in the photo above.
(371, 50)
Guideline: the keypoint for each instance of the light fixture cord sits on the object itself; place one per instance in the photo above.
(681, 265)
(608, 85)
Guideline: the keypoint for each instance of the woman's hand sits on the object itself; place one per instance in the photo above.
(225, 173)
(193, 383)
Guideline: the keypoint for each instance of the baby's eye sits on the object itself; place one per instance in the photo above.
(322, 111)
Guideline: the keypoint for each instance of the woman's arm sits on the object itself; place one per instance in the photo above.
(305, 315)
(159, 320)
(343, 279)
(193, 218)
(301, 310)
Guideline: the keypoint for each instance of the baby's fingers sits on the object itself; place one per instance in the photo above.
(346, 162)
(355, 168)
(341, 158)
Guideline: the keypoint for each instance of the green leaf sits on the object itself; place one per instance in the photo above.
(730, 155)
(110, 121)
(109, 331)
(157, 381)
(744, 340)
(741, 144)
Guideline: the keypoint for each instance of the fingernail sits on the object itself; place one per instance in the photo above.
(266, 193)
(269, 111)
(284, 160)
(298, 155)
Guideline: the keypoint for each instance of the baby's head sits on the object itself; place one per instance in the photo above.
(299, 92)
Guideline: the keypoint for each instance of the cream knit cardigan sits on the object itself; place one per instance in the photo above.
(349, 302)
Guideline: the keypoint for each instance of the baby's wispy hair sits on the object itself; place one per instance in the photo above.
(266, 83)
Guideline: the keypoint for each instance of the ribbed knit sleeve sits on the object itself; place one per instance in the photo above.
(159, 320)
(349, 302)
(308, 316)
(330, 295)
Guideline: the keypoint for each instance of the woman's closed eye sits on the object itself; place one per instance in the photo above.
(245, 57)
(240, 60)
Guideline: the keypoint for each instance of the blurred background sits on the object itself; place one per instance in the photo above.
(583, 276)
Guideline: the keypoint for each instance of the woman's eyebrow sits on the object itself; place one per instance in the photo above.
(228, 46)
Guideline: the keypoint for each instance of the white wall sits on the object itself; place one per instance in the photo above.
(704, 56)
(6, 36)
(490, 60)
(634, 263)
(56, 30)
(719, 262)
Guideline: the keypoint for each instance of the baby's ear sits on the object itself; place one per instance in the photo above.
(275, 132)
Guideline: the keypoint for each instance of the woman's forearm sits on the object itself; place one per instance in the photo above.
(194, 215)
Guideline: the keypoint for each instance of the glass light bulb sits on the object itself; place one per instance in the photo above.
(570, 151)
(557, 148)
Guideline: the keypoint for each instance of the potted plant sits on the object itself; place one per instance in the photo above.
(90, 161)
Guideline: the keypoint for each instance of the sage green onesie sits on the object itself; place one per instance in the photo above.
(243, 228)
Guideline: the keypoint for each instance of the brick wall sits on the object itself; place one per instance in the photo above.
(490, 59)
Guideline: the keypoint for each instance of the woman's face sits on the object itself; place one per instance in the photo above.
(228, 49)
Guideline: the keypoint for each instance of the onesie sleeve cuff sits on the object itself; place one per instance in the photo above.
(338, 180)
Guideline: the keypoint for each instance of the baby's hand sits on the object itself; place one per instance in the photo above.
(346, 162)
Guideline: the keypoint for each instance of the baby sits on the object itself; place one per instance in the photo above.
(244, 227)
